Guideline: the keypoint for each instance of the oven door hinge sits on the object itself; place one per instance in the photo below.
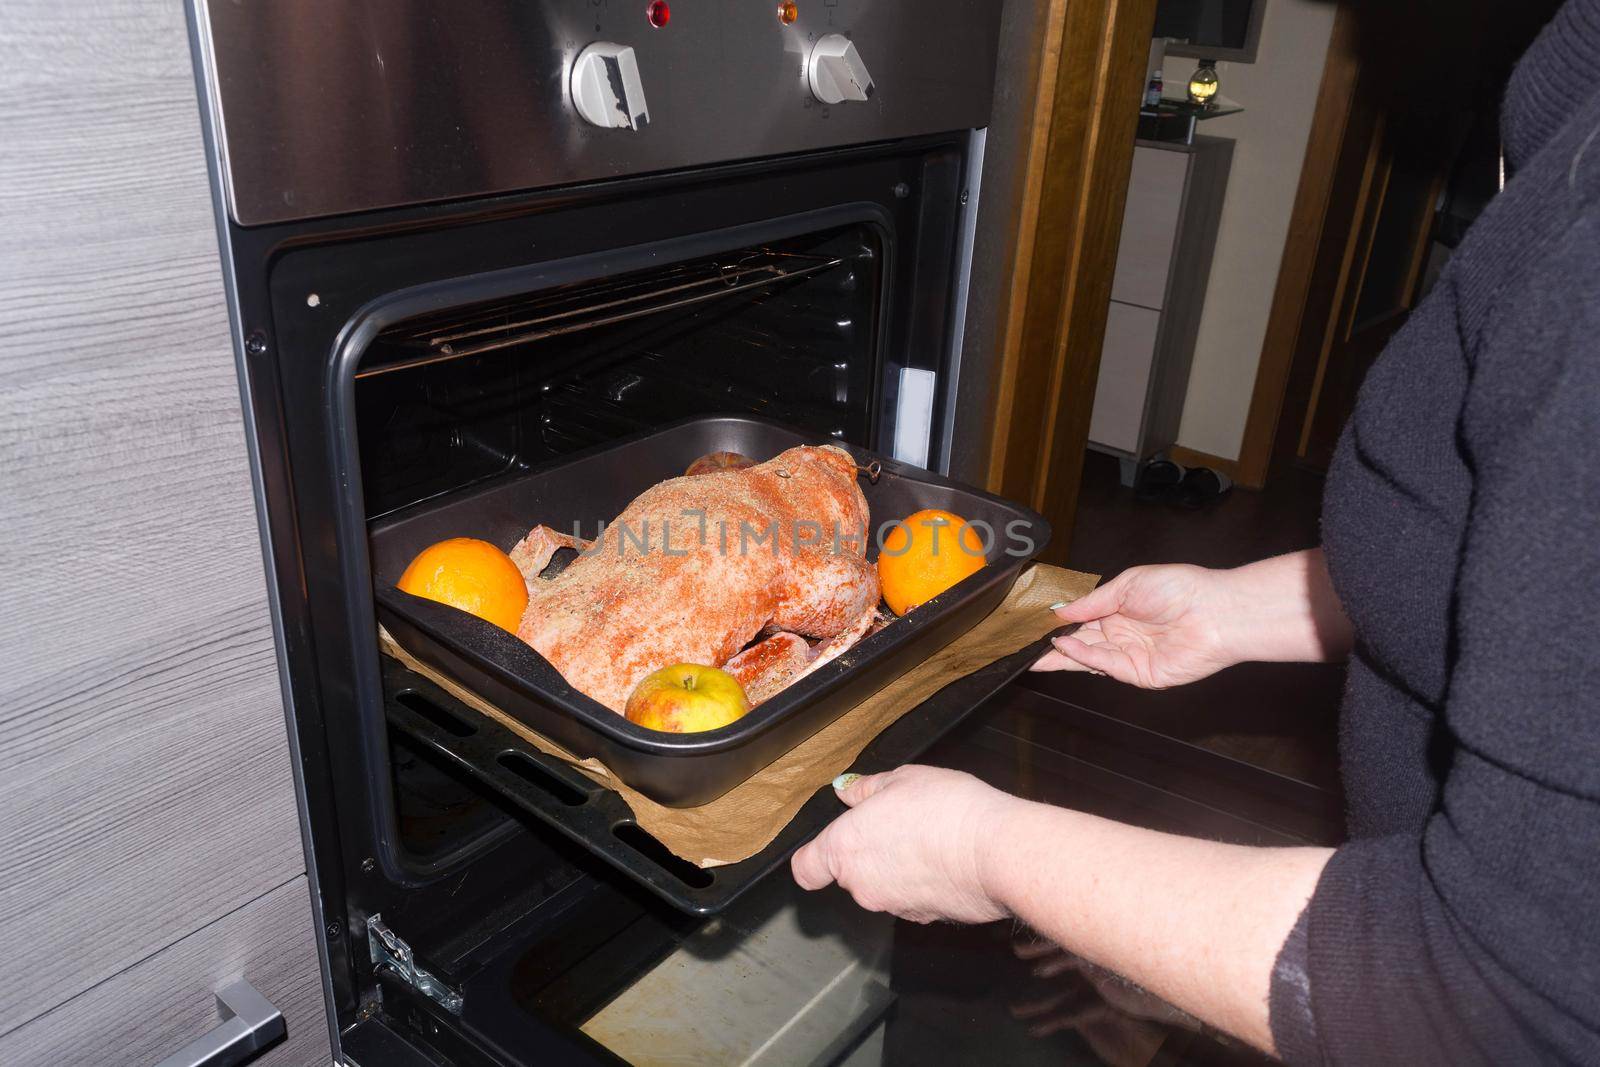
(393, 954)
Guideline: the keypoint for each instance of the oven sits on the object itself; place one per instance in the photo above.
(464, 240)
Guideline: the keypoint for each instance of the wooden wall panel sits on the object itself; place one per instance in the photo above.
(145, 787)
(161, 1004)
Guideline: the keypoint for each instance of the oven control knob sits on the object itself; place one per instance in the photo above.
(606, 88)
(836, 71)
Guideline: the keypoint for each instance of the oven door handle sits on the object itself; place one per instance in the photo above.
(252, 1026)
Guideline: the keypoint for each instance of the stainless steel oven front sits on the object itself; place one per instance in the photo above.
(464, 239)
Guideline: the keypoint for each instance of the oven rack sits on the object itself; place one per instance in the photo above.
(600, 821)
(483, 328)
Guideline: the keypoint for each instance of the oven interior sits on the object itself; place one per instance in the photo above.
(789, 329)
(786, 329)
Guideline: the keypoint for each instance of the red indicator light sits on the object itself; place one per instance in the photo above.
(788, 11)
(658, 13)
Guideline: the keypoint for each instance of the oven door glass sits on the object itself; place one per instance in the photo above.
(789, 977)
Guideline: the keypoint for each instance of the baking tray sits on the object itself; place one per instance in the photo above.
(597, 818)
(678, 770)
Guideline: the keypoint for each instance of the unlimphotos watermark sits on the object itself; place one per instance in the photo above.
(697, 531)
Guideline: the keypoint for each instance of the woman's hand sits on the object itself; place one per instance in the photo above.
(912, 845)
(1152, 627)
(1162, 626)
(927, 844)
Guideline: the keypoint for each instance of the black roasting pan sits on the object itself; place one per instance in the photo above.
(678, 770)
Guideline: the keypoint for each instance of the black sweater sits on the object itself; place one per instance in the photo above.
(1461, 924)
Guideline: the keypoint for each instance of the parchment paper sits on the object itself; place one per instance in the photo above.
(745, 819)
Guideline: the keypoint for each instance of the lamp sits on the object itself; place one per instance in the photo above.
(1203, 86)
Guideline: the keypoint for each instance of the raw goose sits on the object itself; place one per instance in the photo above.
(695, 568)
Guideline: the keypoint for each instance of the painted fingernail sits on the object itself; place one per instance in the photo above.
(845, 781)
(1059, 606)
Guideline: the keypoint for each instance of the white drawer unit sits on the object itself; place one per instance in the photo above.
(1150, 225)
(1125, 366)
(1169, 230)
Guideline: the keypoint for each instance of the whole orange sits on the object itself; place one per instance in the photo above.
(472, 575)
(925, 554)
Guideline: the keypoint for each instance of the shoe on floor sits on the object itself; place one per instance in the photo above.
(1158, 479)
(1201, 488)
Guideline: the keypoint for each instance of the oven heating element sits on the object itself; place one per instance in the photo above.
(536, 318)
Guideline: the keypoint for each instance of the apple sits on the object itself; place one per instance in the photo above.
(687, 698)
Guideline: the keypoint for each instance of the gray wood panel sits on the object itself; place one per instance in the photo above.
(1149, 226)
(145, 787)
(158, 1006)
(1127, 357)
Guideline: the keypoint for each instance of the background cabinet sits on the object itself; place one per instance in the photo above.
(1169, 231)
(150, 846)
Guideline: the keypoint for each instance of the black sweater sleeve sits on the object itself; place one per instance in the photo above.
(1478, 938)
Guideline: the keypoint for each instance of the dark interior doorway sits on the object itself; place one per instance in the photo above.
(1417, 156)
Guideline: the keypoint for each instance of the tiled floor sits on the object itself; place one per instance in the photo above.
(1279, 716)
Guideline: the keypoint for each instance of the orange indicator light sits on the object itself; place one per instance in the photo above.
(788, 11)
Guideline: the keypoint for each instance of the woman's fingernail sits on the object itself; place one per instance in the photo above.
(845, 781)
(1058, 607)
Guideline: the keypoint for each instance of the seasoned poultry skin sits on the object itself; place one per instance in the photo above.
(695, 568)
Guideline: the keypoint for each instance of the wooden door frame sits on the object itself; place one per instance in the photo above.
(1315, 349)
(1079, 153)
